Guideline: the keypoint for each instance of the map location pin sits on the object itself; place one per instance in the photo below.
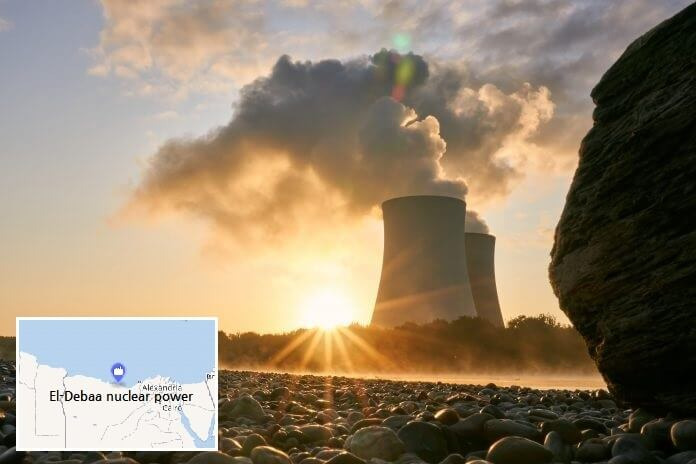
(118, 370)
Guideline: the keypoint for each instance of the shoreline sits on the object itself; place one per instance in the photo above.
(540, 381)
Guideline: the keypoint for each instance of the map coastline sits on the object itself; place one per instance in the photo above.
(67, 409)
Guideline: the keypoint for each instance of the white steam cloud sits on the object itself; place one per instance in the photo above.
(331, 135)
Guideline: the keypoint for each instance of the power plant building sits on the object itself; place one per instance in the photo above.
(427, 271)
(480, 260)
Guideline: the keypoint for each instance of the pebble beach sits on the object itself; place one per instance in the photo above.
(275, 418)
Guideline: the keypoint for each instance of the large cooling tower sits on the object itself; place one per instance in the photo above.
(424, 270)
(480, 253)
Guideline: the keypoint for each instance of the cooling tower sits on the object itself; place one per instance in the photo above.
(424, 270)
(480, 254)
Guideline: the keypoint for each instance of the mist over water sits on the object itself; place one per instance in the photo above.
(548, 381)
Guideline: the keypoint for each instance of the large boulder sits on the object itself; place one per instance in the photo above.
(624, 259)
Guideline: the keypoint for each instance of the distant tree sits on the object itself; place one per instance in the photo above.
(541, 320)
(528, 344)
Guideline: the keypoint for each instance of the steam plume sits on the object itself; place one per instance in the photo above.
(342, 135)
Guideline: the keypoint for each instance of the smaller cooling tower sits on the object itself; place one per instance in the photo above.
(480, 258)
(424, 270)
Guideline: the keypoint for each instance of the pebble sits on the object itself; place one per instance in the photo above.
(396, 422)
(498, 428)
(518, 450)
(592, 450)
(566, 429)
(559, 448)
(630, 449)
(447, 416)
(251, 442)
(316, 433)
(375, 442)
(242, 406)
(637, 419)
(269, 418)
(269, 455)
(454, 458)
(425, 440)
(345, 458)
(209, 457)
(683, 435)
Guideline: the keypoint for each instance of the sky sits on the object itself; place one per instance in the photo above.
(228, 158)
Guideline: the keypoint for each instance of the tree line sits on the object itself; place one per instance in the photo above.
(529, 344)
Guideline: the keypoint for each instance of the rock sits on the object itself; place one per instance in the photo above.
(251, 442)
(447, 416)
(375, 441)
(685, 457)
(269, 455)
(311, 460)
(354, 416)
(177, 457)
(345, 458)
(209, 457)
(365, 423)
(478, 455)
(637, 419)
(424, 439)
(229, 446)
(472, 427)
(656, 434)
(632, 450)
(592, 450)
(327, 454)
(493, 411)
(406, 458)
(589, 433)
(244, 406)
(568, 431)
(543, 413)
(518, 450)
(316, 433)
(396, 422)
(242, 460)
(498, 428)
(454, 458)
(11, 456)
(560, 450)
(280, 393)
(624, 259)
(585, 423)
(683, 435)
(142, 457)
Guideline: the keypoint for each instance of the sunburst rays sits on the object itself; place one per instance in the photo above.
(329, 349)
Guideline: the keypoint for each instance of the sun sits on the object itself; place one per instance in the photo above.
(326, 309)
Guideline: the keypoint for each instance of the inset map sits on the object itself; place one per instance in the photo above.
(117, 384)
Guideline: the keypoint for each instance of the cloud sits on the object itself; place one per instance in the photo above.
(5, 25)
(505, 91)
(315, 139)
(175, 46)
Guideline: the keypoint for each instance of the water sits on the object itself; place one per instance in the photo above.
(550, 381)
(183, 350)
(540, 381)
(207, 443)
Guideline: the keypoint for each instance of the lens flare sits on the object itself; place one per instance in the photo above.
(401, 42)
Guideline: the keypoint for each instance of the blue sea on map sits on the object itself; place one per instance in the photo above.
(183, 350)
